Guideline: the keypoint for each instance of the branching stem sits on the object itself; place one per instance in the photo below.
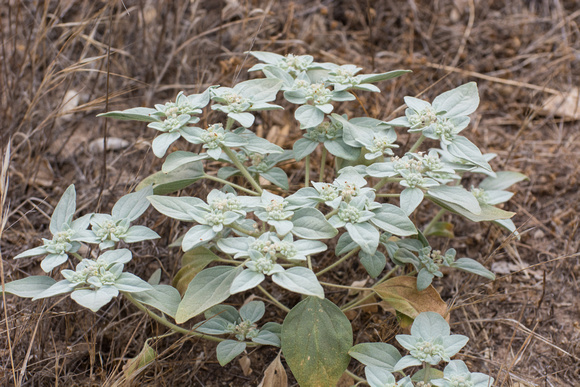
(242, 168)
(341, 260)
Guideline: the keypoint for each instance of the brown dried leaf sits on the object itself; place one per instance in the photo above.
(566, 106)
(402, 294)
(275, 375)
(246, 365)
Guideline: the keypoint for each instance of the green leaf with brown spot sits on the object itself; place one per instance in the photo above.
(316, 337)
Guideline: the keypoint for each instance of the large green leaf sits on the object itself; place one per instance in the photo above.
(309, 223)
(179, 178)
(29, 287)
(316, 337)
(208, 288)
(133, 114)
(488, 213)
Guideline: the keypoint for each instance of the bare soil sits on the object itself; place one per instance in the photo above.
(63, 62)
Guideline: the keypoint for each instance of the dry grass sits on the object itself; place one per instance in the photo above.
(63, 62)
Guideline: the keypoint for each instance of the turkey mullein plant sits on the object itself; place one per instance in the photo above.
(259, 233)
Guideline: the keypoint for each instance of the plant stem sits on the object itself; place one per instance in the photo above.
(162, 320)
(384, 181)
(341, 260)
(237, 263)
(417, 143)
(331, 214)
(242, 169)
(274, 300)
(242, 230)
(307, 171)
(341, 286)
(388, 195)
(355, 302)
(427, 366)
(77, 256)
(433, 221)
(309, 261)
(225, 182)
(229, 123)
(322, 165)
(357, 378)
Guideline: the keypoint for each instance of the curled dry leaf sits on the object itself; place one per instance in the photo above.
(275, 375)
(566, 105)
(113, 143)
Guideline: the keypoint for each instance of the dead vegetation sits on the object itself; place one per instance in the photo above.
(63, 62)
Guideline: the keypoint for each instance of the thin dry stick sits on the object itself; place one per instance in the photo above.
(466, 34)
(3, 220)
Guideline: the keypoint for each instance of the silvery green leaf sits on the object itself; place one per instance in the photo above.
(166, 183)
(226, 172)
(94, 299)
(365, 235)
(227, 350)
(454, 343)
(379, 377)
(488, 213)
(64, 210)
(197, 236)
(410, 199)
(162, 297)
(407, 361)
(381, 355)
(381, 170)
(175, 207)
(472, 266)
(464, 149)
(252, 311)
(133, 205)
(416, 104)
(57, 288)
(494, 197)
(223, 312)
(276, 176)
(304, 197)
(502, 180)
(345, 244)
(245, 119)
(339, 148)
(282, 227)
(262, 89)
(309, 223)
(53, 260)
(214, 153)
(342, 96)
(303, 147)
(116, 256)
(179, 158)
(130, 283)
(300, 280)
(260, 145)
(461, 101)
(354, 132)
(261, 106)
(278, 73)
(212, 326)
(139, 233)
(325, 108)
(208, 288)
(392, 219)
(424, 279)
(267, 338)
(267, 57)
(133, 114)
(369, 78)
(367, 87)
(162, 142)
(508, 224)
(400, 121)
(247, 279)
(374, 264)
(307, 247)
(456, 195)
(233, 245)
(308, 116)
(297, 97)
(428, 326)
(29, 287)
(40, 250)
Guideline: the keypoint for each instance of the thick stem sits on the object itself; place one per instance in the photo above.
(307, 171)
(357, 378)
(322, 165)
(229, 123)
(417, 143)
(341, 286)
(225, 182)
(384, 181)
(341, 260)
(388, 195)
(433, 221)
(243, 230)
(242, 169)
(274, 300)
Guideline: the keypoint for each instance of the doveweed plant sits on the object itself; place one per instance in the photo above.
(258, 236)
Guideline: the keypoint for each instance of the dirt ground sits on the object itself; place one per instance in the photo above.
(63, 62)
